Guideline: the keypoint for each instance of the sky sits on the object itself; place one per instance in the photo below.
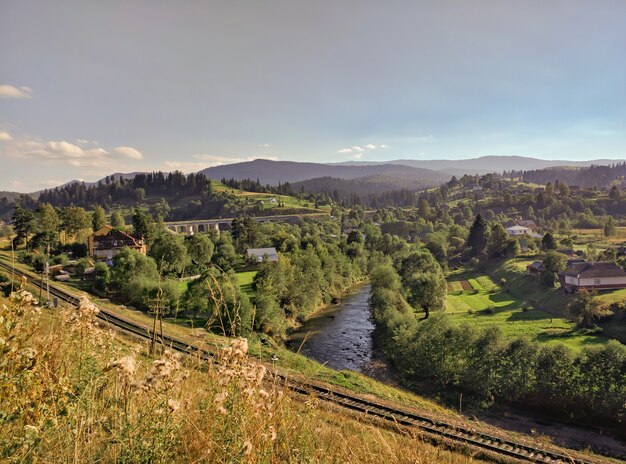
(89, 88)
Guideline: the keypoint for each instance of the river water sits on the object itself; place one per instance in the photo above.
(342, 336)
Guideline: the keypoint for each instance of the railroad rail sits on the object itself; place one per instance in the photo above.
(395, 414)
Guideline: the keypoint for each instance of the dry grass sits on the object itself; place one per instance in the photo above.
(72, 392)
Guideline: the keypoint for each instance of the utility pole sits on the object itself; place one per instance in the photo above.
(48, 275)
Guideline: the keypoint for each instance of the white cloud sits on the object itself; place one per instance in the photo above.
(184, 166)
(129, 152)
(266, 145)
(217, 160)
(5, 136)
(8, 91)
(359, 149)
(207, 161)
(62, 152)
(356, 156)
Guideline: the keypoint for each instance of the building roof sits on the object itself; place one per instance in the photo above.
(536, 265)
(591, 270)
(527, 223)
(107, 232)
(261, 253)
(517, 228)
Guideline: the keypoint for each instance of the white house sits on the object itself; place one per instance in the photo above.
(600, 276)
(262, 254)
(518, 230)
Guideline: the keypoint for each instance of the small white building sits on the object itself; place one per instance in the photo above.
(518, 230)
(262, 254)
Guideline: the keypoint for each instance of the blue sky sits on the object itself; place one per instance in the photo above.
(89, 88)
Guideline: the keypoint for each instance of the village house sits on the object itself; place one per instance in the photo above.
(528, 223)
(598, 276)
(536, 267)
(261, 254)
(518, 230)
(107, 242)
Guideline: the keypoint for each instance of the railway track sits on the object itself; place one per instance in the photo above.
(395, 415)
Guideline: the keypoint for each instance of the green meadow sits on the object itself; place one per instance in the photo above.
(484, 303)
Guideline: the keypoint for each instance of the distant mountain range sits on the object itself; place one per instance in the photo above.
(484, 164)
(274, 172)
(387, 175)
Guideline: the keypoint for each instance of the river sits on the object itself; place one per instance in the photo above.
(342, 336)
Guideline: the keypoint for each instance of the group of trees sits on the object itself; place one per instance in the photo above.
(114, 190)
(448, 358)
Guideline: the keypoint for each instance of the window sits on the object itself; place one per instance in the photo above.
(597, 281)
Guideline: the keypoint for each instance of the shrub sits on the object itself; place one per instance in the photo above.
(60, 259)
(102, 277)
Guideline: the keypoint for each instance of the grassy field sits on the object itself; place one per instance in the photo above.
(487, 304)
(252, 197)
(245, 281)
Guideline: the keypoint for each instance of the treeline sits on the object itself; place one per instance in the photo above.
(250, 185)
(482, 363)
(117, 190)
(592, 176)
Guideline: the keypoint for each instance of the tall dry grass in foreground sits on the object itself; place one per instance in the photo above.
(72, 392)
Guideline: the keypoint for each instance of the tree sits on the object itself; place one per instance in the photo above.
(23, 222)
(424, 282)
(74, 219)
(128, 263)
(161, 210)
(584, 310)
(142, 224)
(424, 208)
(549, 242)
(355, 236)
(98, 218)
(200, 251)
(48, 219)
(225, 255)
(498, 240)
(117, 220)
(615, 194)
(169, 252)
(478, 236)
(102, 277)
(553, 263)
(610, 227)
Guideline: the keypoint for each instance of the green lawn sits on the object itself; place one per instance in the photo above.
(488, 304)
(245, 281)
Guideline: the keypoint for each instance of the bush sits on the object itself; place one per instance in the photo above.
(102, 277)
(39, 263)
(25, 257)
(60, 259)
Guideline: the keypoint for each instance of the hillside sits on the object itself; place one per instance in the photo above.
(274, 172)
(361, 186)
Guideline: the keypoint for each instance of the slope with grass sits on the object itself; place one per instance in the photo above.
(477, 300)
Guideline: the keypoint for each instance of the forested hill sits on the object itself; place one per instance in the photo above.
(275, 172)
(593, 176)
(340, 189)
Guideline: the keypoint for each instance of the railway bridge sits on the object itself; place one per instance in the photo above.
(205, 225)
